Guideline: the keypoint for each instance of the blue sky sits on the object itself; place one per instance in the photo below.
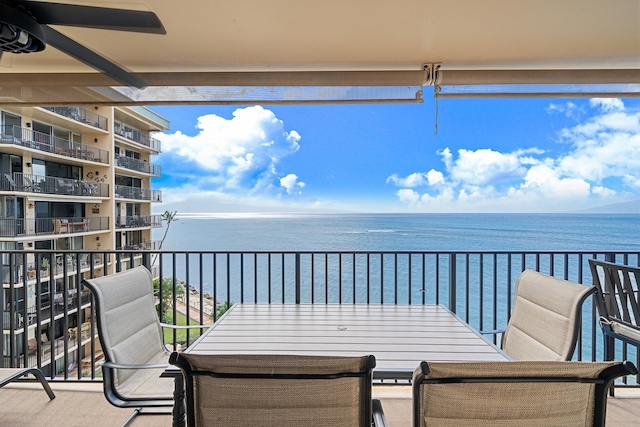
(490, 155)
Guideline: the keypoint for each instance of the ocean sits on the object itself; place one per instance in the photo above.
(403, 232)
(391, 279)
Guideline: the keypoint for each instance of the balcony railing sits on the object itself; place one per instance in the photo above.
(42, 353)
(15, 227)
(35, 271)
(49, 144)
(52, 185)
(478, 286)
(81, 115)
(153, 245)
(135, 135)
(139, 221)
(49, 309)
(137, 165)
(138, 193)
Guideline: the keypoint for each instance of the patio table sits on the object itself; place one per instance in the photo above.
(399, 336)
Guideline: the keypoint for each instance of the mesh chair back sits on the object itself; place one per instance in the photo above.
(546, 317)
(128, 326)
(529, 394)
(282, 390)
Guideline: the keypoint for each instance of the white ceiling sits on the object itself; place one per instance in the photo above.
(354, 35)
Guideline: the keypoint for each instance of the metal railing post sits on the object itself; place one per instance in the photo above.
(297, 278)
(452, 282)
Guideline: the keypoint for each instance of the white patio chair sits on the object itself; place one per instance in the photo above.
(546, 318)
(132, 341)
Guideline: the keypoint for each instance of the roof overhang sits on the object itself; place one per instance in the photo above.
(287, 51)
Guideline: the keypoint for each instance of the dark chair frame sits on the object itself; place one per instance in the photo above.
(35, 372)
(617, 302)
(602, 384)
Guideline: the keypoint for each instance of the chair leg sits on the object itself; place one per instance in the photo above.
(378, 415)
(131, 417)
(609, 354)
(160, 410)
(40, 376)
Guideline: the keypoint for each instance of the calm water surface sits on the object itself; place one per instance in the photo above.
(406, 232)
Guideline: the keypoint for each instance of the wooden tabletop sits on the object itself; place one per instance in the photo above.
(399, 336)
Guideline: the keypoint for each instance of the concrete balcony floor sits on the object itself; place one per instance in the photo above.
(26, 404)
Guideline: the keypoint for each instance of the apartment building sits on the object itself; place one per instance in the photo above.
(71, 178)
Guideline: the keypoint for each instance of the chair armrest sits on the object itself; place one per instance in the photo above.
(378, 415)
(493, 331)
(126, 366)
(166, 325)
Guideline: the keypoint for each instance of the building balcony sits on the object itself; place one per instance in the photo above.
(44, 142)
(138, 165)
(14, 272)
(53, 306)
(48, 351)
(153, 245)
(136, 135)
(137, 193)
(139, 221)
(19, 227)
(37, 184)
(81, 115)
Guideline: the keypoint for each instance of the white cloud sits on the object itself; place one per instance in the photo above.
(603, 191)
(414, 180)
(569, 109)
(406, 195)
(607, 145)
(544, 182)
(484, 167)
(632, 181)
(417, 179)
(291, 184)
(239, 155)
(435, 177)
(600, 164)
(607, 104)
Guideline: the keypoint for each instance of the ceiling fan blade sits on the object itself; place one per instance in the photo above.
(89, 57)
(94, 17)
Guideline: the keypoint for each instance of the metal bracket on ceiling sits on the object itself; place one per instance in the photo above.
(433, 75)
